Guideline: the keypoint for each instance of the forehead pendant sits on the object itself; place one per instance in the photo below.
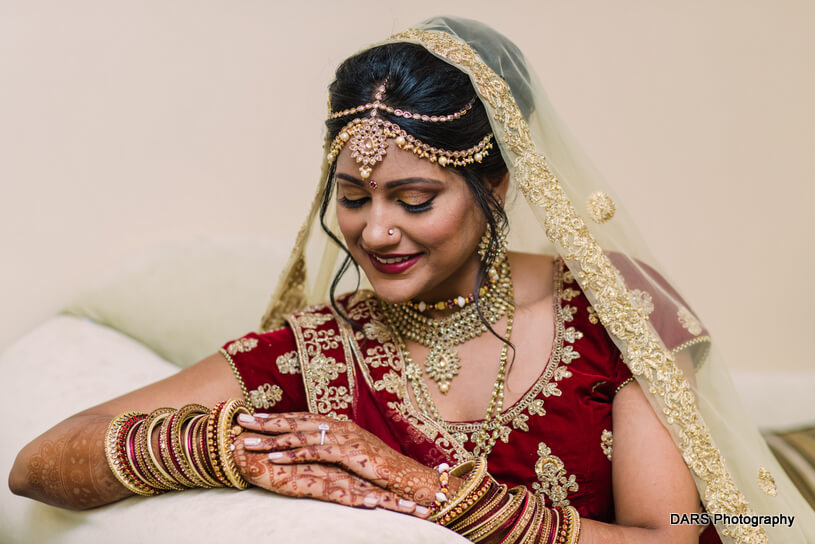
(367, 137)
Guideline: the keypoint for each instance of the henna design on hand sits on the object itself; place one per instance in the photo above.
(350, 447)
(318, 481)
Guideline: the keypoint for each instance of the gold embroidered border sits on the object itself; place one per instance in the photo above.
(367, 307)
(234, 367)
(544, 382)
(319, 370)
(646, 355)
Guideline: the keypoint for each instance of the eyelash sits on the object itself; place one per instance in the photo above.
(427, 205)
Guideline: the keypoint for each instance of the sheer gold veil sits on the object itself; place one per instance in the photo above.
(561, 205)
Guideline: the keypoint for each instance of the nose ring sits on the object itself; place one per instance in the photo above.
(391, 231)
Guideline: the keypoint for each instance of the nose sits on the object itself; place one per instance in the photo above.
(380, 232)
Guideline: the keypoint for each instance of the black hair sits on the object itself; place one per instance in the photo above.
(417, 81)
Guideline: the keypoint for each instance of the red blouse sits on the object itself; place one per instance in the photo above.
(556, 440)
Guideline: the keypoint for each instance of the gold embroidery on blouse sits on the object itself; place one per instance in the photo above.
(377, 330)
(242, 345)
(546, 385)
(606, 442)
(689, 321)
(234, 368)
(568, 312)
(568, 294)
(318, 369)
(592, 315)
(766, 482)
(288, 363)
(571, 335)
(266, 396)
(625, 382)
(601, 207)
(313, 320)
(554, 481)
(643, 299)
(645, 354)
(386, 355)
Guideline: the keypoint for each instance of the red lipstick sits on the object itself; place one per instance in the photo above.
(398, 264)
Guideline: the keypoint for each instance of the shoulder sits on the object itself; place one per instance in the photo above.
(532, 277)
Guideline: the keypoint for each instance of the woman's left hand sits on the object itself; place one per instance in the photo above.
(296, 439)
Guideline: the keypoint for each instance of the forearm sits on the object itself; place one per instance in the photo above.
(66, 466)
(596, 532)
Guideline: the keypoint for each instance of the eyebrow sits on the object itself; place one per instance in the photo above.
(393, 183)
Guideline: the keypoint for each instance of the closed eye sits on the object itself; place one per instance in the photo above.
(352, 203)
(418, 208)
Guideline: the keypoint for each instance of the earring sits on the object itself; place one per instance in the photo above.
(489, 244)
(391, 231)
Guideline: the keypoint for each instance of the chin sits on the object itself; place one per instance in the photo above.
(390, 293)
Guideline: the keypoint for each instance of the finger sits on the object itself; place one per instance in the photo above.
(261, 443)
(327, 453)
(285, 423)
(391, 501)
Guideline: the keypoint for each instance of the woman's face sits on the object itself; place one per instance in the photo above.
(415, 235)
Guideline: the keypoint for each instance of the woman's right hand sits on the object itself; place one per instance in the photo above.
(317, 481)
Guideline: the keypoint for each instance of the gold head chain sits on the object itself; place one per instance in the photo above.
(368, 137)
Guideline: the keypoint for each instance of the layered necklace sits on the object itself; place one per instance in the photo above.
(441, 336)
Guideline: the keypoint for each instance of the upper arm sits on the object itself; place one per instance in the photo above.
(207, 382)
(650, 478)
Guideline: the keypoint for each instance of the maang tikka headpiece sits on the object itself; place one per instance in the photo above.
(368, 135)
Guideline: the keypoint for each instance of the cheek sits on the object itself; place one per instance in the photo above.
(349, 224)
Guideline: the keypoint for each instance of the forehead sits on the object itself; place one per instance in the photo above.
(397, 164)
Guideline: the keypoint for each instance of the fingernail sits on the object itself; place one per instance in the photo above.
(275, 455)
(263, 416)
(404, 503)
(252, 441)
(370, 501)
(245, 418)
(422, 510)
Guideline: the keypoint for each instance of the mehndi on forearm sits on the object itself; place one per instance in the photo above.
(66, 467)
(88, 461)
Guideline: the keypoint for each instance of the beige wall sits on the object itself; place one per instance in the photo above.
(127, 124)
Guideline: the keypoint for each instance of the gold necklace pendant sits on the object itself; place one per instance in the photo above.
(443, 335)
(442, 365)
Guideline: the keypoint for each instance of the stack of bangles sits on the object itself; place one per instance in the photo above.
(484, 511)
(171, 449)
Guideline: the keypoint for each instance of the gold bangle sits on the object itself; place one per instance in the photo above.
(115, 453)
(212, 444)
(226, 434)
(472, 519)
(195, 455)
(141, 459)
(165, 444)
(529, 510)
(176, 446)
(491, 525)
(156, 418)
(477, 471)
(530, 528)
(572, 526)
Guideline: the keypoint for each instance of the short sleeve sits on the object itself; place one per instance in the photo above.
(267, 368)
(621, 375)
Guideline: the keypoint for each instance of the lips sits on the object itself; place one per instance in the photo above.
(393, 263)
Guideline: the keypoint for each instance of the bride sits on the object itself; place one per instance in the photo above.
(561, 391)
